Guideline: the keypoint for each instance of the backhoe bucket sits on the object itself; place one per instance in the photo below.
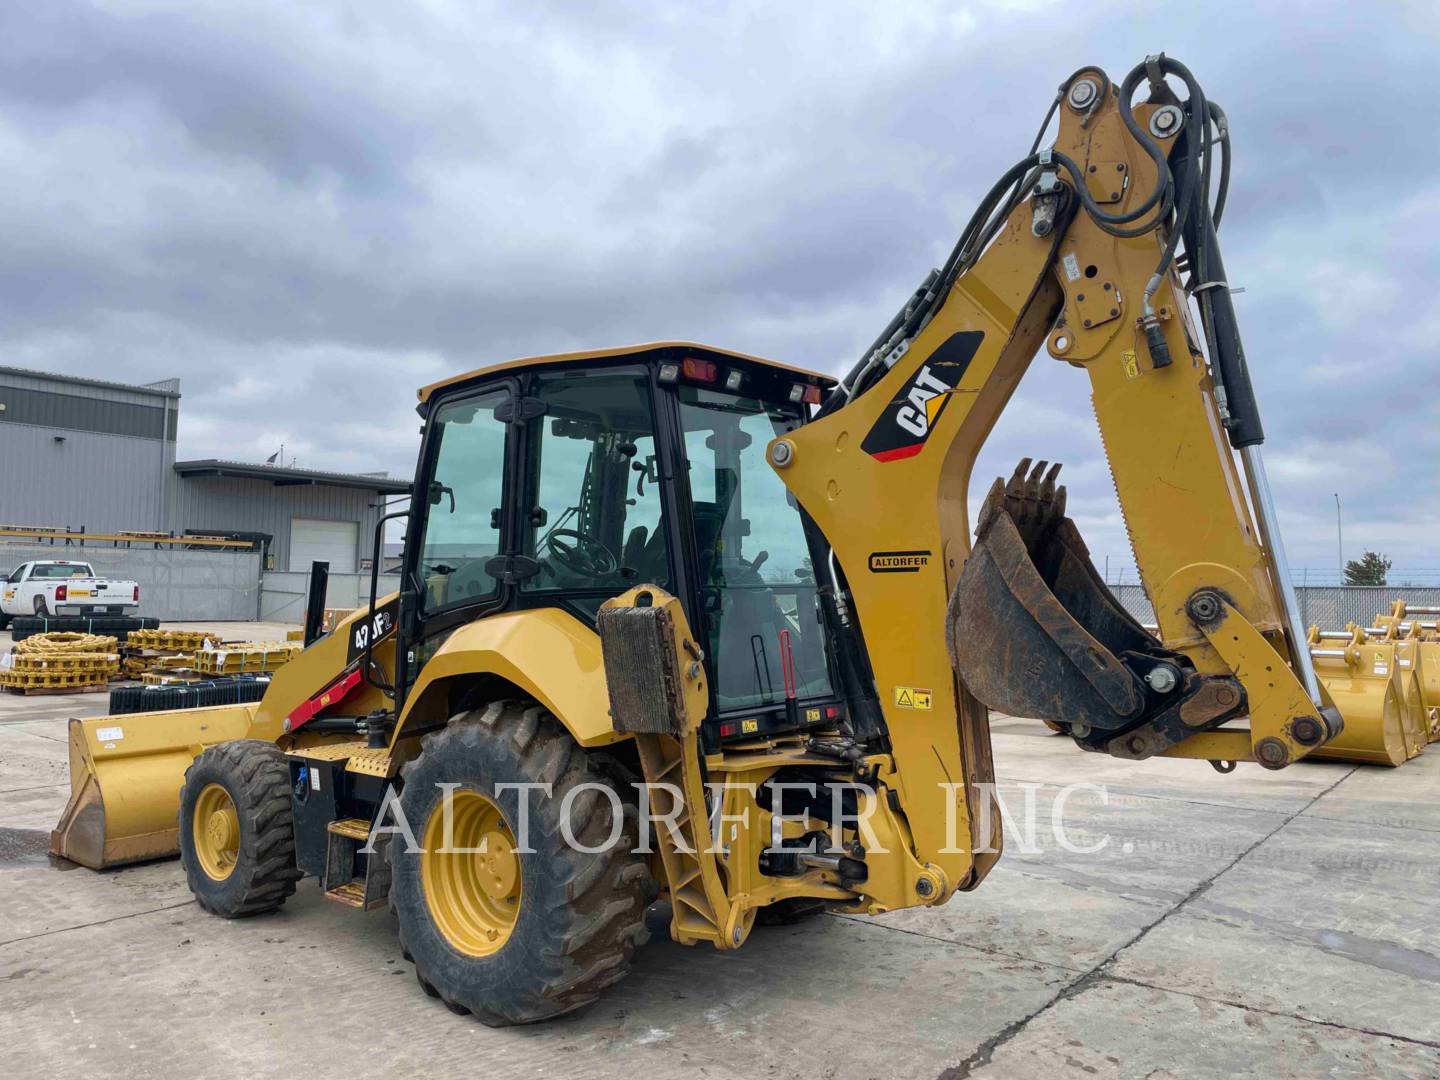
(125, 778)
(1034, 631)
(1384, 721)
(1427, 673)
(1418, 636)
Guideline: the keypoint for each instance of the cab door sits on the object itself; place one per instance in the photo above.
(460, 520)
(593, 523)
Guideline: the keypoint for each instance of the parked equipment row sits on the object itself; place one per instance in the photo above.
(1385, 679)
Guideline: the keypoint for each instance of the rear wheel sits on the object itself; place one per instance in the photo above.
(40, 609)
(530, 927)
(237, 840)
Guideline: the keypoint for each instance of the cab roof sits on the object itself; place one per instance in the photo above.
(708, 351)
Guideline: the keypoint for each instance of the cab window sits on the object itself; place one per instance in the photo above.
(755, 574)
(462, 516)
(595, 524)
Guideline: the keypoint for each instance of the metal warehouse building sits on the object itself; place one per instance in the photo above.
(79, 454)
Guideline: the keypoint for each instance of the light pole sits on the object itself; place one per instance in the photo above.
(1339, 541)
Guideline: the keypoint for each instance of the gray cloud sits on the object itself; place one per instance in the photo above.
(306, 212)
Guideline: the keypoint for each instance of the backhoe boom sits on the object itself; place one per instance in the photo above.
(1074, 251)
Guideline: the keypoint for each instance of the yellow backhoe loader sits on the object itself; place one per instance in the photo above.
(677, 621)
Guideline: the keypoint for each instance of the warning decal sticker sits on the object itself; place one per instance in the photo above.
(912, 697)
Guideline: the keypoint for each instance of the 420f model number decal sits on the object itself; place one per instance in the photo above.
(379, 626)
(907, 421)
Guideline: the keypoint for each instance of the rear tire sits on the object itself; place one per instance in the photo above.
(239, 856)
(41, 611)
(576, 918)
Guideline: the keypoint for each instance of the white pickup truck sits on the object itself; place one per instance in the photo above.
(56, 587)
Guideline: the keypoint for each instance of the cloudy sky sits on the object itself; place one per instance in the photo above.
(305, 211)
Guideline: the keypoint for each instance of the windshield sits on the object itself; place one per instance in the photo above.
(757, 581)
(60, 570)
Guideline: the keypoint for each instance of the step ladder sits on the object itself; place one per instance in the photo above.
(347, 881)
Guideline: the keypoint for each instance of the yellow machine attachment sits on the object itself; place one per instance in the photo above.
(126, 771)
(1372, 689)
(125, 777)
(1418, 633)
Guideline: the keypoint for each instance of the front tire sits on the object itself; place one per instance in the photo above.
(237, 838)
(515, 936)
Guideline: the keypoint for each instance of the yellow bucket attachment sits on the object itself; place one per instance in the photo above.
(125, 778)
(1418, 633)
(126, 771)
(1427, 675)
(1384, 724)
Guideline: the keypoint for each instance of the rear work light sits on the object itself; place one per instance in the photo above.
(805, 392)
(692, 367)
(61, 592)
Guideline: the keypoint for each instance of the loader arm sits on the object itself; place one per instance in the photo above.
(1071, 250)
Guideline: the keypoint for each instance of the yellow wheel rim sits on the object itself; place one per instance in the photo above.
(215, 828)
(473, 887)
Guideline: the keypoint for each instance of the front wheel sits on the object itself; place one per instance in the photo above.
(514, 923)
(4, 620)
(237, 839)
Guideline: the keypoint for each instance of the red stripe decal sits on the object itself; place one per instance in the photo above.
(899, 452)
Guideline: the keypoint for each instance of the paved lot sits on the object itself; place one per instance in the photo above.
(1254, 924)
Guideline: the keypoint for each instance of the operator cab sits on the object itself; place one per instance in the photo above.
(564, 481)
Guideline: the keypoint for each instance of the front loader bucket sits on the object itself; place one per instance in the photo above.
(1033, 631)
(125, 778)
(126, 771)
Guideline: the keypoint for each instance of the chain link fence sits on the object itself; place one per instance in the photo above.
(1329, 607)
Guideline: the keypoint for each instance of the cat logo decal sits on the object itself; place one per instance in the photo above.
(907, 421)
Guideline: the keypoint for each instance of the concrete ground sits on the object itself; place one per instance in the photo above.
(1256, 924)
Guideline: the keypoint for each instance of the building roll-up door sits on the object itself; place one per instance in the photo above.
(334, 542)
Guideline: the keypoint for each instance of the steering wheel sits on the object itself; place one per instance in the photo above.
(586, 555)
